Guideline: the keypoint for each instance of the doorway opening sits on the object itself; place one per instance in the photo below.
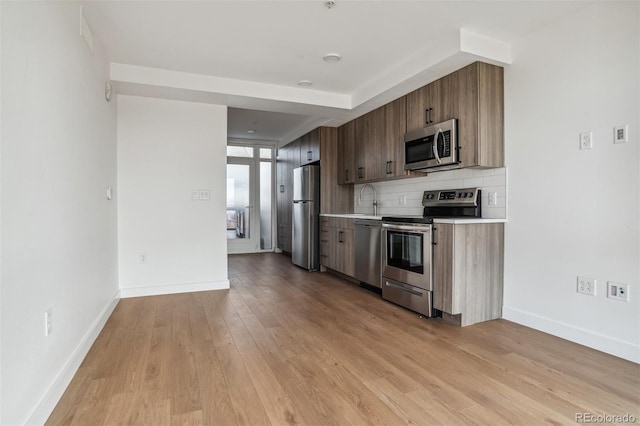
(250, 198)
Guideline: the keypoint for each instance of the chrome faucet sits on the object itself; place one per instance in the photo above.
(375, 200)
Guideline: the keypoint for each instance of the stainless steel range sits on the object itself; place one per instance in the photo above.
(407, 255)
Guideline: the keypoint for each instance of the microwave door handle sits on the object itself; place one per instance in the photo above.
(435, 146)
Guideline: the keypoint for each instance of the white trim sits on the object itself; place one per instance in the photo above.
(619, 348)
(157, 290)
(52, 396)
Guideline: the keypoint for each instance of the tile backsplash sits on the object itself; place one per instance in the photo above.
(392, 193)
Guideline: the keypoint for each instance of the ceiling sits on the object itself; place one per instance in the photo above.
(251, 54)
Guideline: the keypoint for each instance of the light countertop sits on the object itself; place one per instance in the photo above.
(352, 216)
(452, 221)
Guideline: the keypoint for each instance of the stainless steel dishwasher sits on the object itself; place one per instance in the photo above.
(367, 250)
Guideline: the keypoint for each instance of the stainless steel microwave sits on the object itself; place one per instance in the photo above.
(433, 146)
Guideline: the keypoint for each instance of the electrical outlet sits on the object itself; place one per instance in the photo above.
(617, 291)
(204, 194)
(620, 134)
(493, 198)
(586, 286)
(403, 200)
(143, 258)
(48, 322)
(586, 140)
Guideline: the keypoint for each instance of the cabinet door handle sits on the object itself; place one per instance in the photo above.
(340, 240)
(281, 188)
(346, 175)
(309, 156)
(434, 236)
(360, 174)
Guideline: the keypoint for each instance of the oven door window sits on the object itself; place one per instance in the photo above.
(404, 251)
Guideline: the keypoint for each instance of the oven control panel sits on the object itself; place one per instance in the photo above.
(464, 196)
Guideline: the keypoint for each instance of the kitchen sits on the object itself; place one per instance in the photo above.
(453, 123)
(154, 151)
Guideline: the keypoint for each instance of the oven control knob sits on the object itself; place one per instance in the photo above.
(469, 194)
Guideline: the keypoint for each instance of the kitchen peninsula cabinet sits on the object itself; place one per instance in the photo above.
(475, 96)
(337, 244)
(468, 262)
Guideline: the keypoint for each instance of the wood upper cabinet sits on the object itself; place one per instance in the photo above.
(346, 153)
(475, 96)
(334, 198)
(369, 139)
(378, 142)
(468, 263)
(310, 147)
(394, 126)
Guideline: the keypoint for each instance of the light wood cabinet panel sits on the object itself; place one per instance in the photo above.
(475, 96)
(346, 153)
(468, 263)
(337, 244)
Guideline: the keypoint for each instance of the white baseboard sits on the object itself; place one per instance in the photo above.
(51, 397)
(619, 348)
(157, 290)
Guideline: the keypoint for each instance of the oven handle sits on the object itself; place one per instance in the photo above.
(408, 290)
(406, 227)
(435, 146)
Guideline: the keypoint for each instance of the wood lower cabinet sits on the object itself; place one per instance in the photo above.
(468, 263)
(337, 244)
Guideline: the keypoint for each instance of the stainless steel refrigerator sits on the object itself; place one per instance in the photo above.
(306, 211)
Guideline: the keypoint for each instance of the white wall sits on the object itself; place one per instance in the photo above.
(389, 193)
(58, 230)
(575, 212)
(166, 149)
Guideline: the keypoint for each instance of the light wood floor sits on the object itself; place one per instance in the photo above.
(284, 346)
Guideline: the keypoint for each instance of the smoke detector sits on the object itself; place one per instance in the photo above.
(329, 4)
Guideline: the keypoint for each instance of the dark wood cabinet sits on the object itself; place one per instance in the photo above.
(284, 196)
(346, 153)
(334, 198)
(369, 145)
(310, 147)
(393, 128)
